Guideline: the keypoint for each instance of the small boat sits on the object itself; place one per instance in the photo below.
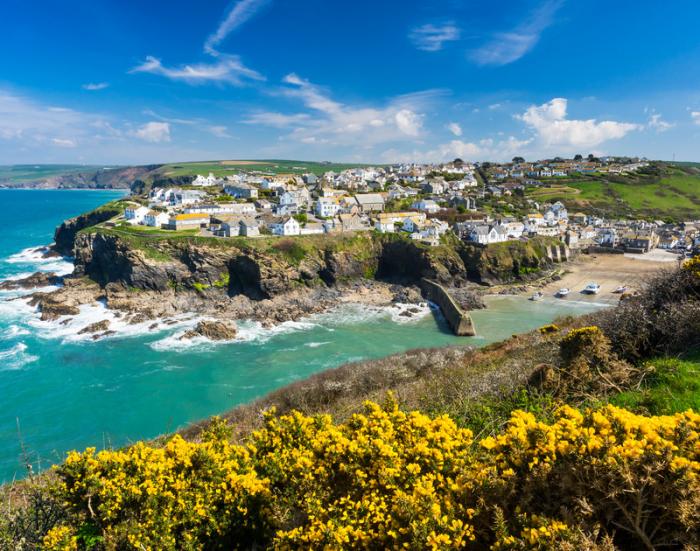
(592, 289)
(621, 289)
(537, 296)
(563, 292)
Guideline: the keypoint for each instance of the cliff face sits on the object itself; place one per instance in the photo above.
(509, 261)
(262, 270)
(64, 236)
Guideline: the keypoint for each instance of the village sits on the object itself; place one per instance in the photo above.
(422, 201)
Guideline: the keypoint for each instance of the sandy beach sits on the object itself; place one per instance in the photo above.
(609, 271)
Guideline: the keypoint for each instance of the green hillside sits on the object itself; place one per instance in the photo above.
(663, 191)
(271, 166)
(31, 173)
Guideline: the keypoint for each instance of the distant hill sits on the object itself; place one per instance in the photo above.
(71, 176)
(96, 177)
(662, 190)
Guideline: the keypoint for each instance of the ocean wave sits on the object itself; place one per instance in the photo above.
(15, 358)
(14, 331)
(34, 257)
(67, 328)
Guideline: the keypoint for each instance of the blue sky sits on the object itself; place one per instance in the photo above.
(128, 81)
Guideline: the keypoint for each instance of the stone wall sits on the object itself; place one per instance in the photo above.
(459, 321)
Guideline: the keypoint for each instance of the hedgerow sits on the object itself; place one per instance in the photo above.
(393, 479)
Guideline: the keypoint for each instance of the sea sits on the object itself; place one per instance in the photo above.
(60, 390)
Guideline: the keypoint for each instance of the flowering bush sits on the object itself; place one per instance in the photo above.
(548, 329)
(391, 479)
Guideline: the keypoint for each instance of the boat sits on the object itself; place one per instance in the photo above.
(621, 289)
(591, 289)
(537, 296)
(563, 292)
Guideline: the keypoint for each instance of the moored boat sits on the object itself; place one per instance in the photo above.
(537, 296)
(591, 289)
(563, 292)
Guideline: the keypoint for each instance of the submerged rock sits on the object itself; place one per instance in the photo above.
(212, 330)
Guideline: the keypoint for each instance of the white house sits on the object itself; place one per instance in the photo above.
(222, 208)
(135, 214)
(204, 181)
(285, 225)
(326, 207)
(156, 219)
(486, 235)
(426, 205)
(556, 212)
(241, 190)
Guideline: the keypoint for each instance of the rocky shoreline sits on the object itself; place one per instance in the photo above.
(138, 306)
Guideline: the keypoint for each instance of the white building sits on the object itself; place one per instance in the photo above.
(135, 214)
(326, 207)
(426, 205)
(204, 181)
(285, 225)
(156, 219)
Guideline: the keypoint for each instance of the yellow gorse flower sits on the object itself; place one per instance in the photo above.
(383, 479)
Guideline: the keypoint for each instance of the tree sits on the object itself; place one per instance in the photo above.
(518, 160)
(591, 156)
(578, 157)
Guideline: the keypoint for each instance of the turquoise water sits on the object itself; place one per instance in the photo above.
(67, 392)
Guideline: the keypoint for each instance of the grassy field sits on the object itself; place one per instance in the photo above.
(30, 173)
(272, 166)
(672, 194)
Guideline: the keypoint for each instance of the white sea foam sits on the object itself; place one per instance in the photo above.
(14, 331)
(316, 344)
(34, 257)
(15, 358)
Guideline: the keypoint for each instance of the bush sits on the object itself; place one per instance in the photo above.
(390, 479)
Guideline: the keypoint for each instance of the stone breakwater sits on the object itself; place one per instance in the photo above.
(459, 321)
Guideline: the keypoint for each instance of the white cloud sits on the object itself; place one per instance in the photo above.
(219, 131)
(226, 68)
(554, 130)
(695, 116)
(455, 128)
(408, 122)
(94, 86)
(241, 12)
(63, 142)
(331, 122)
(658, 124)
(495, 106)
(506, 47)
(277, 120)
(431, 38)
(154, 132)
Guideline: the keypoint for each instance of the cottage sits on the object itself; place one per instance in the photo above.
(249, 227)
(370, 202)
(284, 225)
(242, 191)
(205, 181)
(485, 235)
(187, 221)
(426, 205)
(222, 208)
(135, 214)
(326, 207)
(155, 219)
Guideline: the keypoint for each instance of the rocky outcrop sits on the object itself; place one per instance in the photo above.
(37, 279)
(511, 261)
(212, 330)
(97, 327)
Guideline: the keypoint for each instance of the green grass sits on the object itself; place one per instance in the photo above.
(673, 193)
(271, 166)
(673, 386)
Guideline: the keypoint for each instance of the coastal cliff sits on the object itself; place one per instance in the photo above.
(64, 236)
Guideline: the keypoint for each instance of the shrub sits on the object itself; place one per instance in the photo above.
(549, 329)
(389, 479)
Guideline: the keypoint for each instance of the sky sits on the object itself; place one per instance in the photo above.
(150, 81)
